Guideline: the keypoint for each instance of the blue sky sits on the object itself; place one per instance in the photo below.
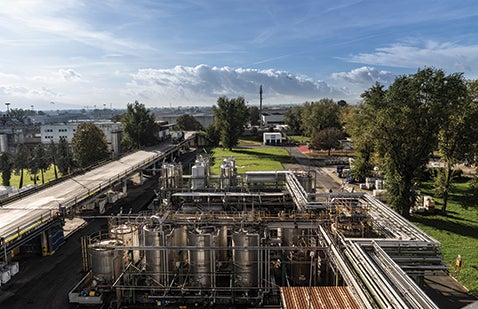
(60, 54)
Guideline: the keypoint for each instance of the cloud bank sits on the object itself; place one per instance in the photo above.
(203, 84)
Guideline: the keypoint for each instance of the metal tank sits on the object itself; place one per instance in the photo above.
(228, 173)
(298, 257)
(171, 176)
(128, 234)
(106, 261)
(245, 258)
(156, 262)
(201, 256)
(198, 174)
(177, 258)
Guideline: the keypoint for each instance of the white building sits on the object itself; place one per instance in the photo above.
(53, 132)
(272, 138)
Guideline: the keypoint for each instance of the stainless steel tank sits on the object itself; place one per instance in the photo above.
(129, 235)
(106, 261)
(245, 258)
(177, 257)
(155, 258)
(200, 257)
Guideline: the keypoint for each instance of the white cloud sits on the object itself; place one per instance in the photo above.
(69, 74)
(448, 56)
(204, 84)
(365, 77)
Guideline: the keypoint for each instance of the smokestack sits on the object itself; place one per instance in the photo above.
(260, 105)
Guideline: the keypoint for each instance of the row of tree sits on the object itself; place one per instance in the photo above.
(36, 160)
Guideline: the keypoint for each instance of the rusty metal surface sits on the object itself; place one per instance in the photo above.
(317, 297)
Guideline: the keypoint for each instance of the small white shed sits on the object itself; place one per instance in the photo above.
(272, 138)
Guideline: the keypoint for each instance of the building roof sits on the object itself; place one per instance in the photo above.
(317, 297)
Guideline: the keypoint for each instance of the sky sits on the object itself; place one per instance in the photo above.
(73, 54)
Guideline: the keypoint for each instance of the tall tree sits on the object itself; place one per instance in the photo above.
(21, 161)
(326, 139)
(361, 126)
(187, 122)
(405, 127)
(320, 115)
(293, 118)
(39, 163)
(230, 118)
(140, 127)
(458, 133)
(18, 114)
(6, 167)
(255, 115)
(89, 144)
(51, 153)
(64, 157)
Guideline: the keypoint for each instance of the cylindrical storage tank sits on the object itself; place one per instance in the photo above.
(177, 257)
(128, 234)
(200, 257)
(245, 258)
(106, 261)
(198, 177)
(220, 242)
(155, 258)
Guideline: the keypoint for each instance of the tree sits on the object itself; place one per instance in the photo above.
(230, 117)
(361, 127)
(188, 123)
(89, 144)
(293, 118)
(64, 157)
(21, 161)
(18, 114)
(39, 163)
(254, 112)
(213, 136)
(326, 139)
(404, 127)
(6, 166)
(51, 153)
(140, 127)
(457, 136)
(320, 115)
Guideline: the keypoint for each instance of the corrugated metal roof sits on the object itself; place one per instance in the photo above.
(317, 297)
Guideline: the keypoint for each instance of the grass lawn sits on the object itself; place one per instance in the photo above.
(457, 232)
(302, 140)
(28, 178)
(251, 159)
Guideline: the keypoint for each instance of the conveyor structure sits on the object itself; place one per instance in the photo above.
(219, 243)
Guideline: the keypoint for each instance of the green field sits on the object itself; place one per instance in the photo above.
(49, 175)
(251, 159)
(301, 140)
(457, 232)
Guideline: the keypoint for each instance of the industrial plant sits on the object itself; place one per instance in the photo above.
(259, 239)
